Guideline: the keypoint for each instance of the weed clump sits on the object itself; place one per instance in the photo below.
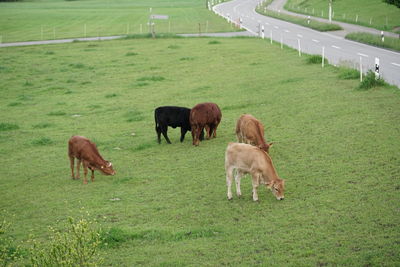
(315, 59)
(369, 81)
(348, 74)
(75, 246)
(5, 126)
(43, 141)
(214, 42)
(151, 78)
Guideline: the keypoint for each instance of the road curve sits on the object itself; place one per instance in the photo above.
(336, 49)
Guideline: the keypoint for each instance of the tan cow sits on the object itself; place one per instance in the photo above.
(248, 159)
(249, 130)
(86, 152)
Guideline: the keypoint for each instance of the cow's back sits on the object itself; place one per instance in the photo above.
(173, 116)
(82, 148)
(205, 113)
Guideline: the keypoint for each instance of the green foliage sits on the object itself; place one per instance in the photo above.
(393, 2)
(348, 74)
(77, 245)
(369, 81)
(315, 59)
(376, 40)
(5, 126)
(9, 253)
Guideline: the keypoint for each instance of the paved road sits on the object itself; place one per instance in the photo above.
(336, 49)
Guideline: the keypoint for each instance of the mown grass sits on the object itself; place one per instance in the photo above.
(376, 40)
(370, 13)
(58, 19)
(309, 23)
(336, 146)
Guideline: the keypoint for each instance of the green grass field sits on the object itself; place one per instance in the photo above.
(336, 146)
(57, 19)
(370, 13)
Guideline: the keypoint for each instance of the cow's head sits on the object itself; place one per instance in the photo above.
(107, 168)
(265, 147)
(278, 188)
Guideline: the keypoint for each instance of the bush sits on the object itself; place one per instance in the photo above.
(316, 59)
(348, 74)
(370, 81)
(8, 252)
(393, 2)
(77, 246)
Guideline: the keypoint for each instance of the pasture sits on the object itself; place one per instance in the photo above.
(336, 146)
(60, 19)
(370, 13)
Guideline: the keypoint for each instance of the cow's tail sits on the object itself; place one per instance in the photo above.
(156, 119)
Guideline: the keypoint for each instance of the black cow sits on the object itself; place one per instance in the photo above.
(174, 117)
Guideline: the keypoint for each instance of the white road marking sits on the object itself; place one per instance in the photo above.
(266, 23)
(396, 64)
(287, 31)
(363, 55)
(299, 35)
(276, 27)
(334, 46)
(315, 41)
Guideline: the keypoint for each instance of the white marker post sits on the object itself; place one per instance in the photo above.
(323, 56)
(330, 11)
(361, 69)
(262, 31)
(298, 42)
(271, 36)
(377, 75)
(382, 37)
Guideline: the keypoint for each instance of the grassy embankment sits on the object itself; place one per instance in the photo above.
(376, 40)
(312, 24)
(58, 19)
(370, 13)
(336, 146)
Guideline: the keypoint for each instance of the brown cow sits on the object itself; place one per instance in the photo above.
(250, 159)
(86, 152)
(249, 130)
(204, 115)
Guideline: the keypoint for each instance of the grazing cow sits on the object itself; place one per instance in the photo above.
(250, 159)
(204, 116)
(86, 152)
(249, 130)
(174, 117)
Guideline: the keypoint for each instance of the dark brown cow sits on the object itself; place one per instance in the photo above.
(249, 130)
(204, 115)
(86, 152)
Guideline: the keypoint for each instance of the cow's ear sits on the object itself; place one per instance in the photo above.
(270, 144)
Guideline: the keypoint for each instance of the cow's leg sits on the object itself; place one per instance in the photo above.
(183, 132)
(92, 177)
(229, 179)
(158, 130)
(72, 163)
(78, 167)
(238, 176)
(196, 130)
(214, 133)
(208, 131)
(255, 182)
(198, 134)
(164, 129)
(201, 137)
(85, 171)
